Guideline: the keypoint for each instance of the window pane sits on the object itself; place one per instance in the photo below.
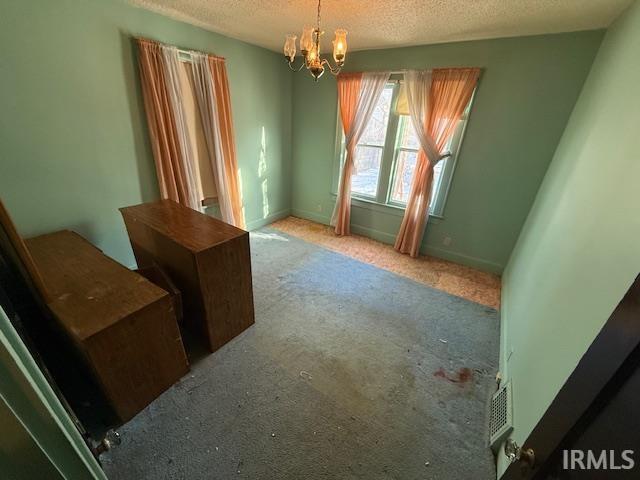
(366, 171)
(437, 178)
(408, 138)
(376, 130)
(405, 167)
(406, 164)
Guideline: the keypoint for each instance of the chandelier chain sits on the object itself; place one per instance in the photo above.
(318, 15)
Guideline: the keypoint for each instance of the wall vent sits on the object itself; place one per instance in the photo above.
(501, 419)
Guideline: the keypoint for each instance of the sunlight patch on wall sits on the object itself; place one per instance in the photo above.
(262, 172)
(265, 199)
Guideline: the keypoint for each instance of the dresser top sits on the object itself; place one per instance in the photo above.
(90, 291)
(193, 230)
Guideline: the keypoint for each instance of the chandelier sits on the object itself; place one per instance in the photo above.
(310, 49)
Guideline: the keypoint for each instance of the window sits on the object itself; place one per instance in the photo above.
(195, 134)
(368, 158)
(386, 155)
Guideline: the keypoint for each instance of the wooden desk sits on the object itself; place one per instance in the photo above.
(207, 259)
(122, 324)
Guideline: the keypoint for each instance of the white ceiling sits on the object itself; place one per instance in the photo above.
(385, 23)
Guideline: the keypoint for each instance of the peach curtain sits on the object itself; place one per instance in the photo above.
(227, 138)
(358, 94)
(436, 103)
(175, 177)
(348, 93)
(213, 100)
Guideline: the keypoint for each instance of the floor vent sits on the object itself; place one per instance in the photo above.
(500, 422)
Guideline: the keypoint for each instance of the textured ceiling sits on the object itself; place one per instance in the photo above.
(385, 23)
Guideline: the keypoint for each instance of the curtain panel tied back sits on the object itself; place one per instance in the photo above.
(358, 94)
(437, 100)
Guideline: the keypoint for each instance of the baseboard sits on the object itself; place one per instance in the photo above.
(390, 239)
(313, 216)
(503, 366)
(383, 237)
(355, 228)
(479, 263)
(261, 222)
(503, 358)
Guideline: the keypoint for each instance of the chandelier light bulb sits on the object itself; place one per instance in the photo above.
(306, 40)
(340, 46)
(290, 47)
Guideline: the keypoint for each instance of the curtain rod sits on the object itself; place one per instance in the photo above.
(400, 72)
(393, 72)
(182, 51)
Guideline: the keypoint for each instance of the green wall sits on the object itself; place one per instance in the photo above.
(74, 144)
(20, 456)
(579, 250)
(528, 89)
(73, 135)
(38, 439)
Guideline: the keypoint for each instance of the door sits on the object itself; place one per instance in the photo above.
(585, 414)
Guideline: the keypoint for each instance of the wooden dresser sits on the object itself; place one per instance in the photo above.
(122, 324)
(208, 260)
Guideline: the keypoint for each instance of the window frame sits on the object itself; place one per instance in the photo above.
(382, 200)
(383, 176)
(364, 195)
(397, 150)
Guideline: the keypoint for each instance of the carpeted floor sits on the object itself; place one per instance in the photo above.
(465, 282)
(350, 372)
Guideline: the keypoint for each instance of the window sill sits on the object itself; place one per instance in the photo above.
(209, 201)
(386, 208)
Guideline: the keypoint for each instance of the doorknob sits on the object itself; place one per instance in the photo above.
(110, 439)
(514, 453)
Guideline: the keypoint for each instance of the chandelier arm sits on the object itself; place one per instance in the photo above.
(295, 69)
(335, 70)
